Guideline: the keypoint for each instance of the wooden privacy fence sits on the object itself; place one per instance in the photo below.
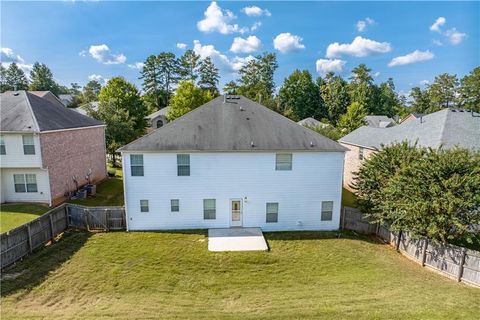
(19, 242)
(449, 260)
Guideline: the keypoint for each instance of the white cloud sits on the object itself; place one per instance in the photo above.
(287, 42)
(376, 74)
(437, 24)
(7, 55)
(455, 37)
(255, 11)
(413, 57)
(218, 20)
(136, 65)
(360, 47)
(437, 42)
(96, 77)
(102, 54)
(362, 24)
(182, 46)
(219, 59)
(255, 26)
(329, 65)
(424, 82)
(248, 45)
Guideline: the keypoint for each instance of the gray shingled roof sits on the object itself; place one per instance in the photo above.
(379, 121)
(447, 128)
(313, 123)
(233, 126)
(24, 111)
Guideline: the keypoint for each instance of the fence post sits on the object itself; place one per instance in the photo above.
(462, 262)
(51, 225)
(67, 220)
(29, 239)
(85, 215)
(344, 217)
(424, 253)
(397, 247)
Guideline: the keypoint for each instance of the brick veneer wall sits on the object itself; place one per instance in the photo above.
(71, 153)
(352, 163)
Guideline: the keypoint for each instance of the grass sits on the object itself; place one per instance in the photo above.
(16, 214)
(109, 192)
(172, 275)
(348, 198)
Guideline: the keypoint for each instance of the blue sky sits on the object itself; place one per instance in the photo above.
(409, 41)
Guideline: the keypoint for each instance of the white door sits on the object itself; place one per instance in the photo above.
(236, 213)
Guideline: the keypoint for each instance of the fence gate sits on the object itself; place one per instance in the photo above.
(96, 218)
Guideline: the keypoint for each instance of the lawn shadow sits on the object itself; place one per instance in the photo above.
(34, 269)
(320, 235)
(200, 232)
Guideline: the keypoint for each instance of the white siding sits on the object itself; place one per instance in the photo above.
(315, 177)
(14, 157)
(8, 187)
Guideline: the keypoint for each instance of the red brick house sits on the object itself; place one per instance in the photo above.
(46, 149)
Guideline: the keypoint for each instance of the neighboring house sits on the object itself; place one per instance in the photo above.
(65, 99)
(44, 147)
(379, 121)
(447, 128)
(83, 108)
(313, 123)
(413, 116)
(157, 119)
(233, 163)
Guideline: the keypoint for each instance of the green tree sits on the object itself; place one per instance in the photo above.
(3, 79)
(256, 77)
(91, 91)
(420, 101)
(354, 117)
(299, 97)
(230, 87)
(470, 90)
(361, 88)
(187, 97)
(15, 78)
(334, 93)
(431, 193)
(41, 79)
(443, 92)
(123, 111)
(388, 101)
(188, 65)
(159, 74)
(208, 76)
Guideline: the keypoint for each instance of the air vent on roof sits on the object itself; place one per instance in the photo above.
(311, 144)
(241, 108)
(453, 110)
(252, 144)
(461, 110)
(16, 93)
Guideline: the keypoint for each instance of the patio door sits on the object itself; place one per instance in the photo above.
(236, 214)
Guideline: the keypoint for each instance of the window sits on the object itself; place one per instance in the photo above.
(272, 212)
(28, 144)
(360, 153)
(283, 161)
(183, 164)
(175, 205)
(143, 205)
(2, 146)
(159, 123)
(25, 182)
(136, 164)
(327, 210)
(209, 209)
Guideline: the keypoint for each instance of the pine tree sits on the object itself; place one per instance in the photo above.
(361, 88)
(256, 77)
(443, 92)
(42, 79)
(470, 90)
(15, 78)
(208, 76)
(334, 93)
(189, 64)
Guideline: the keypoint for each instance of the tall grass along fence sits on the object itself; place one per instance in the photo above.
(458, 263)
(21, 241)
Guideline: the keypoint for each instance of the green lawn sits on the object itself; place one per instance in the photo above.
(109, 192)
(172, 275)
(348, 198)
(14, 215)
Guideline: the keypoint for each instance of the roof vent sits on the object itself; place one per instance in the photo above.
(461, 110)
(453, 110)
(252, 144)
(241, 108)
(16, 94)
(311, 144)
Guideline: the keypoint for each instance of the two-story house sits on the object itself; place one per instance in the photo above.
(233, 163)
(46, 150)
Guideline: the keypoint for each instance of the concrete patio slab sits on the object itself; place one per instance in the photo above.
(236, 239)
